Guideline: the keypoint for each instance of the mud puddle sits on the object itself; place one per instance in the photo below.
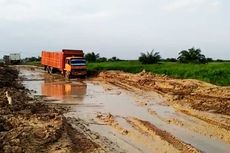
(92, 100)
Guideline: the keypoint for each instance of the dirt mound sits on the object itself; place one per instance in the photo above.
(8, 77)
(197, 94)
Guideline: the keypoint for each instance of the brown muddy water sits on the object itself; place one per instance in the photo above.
(89, 98)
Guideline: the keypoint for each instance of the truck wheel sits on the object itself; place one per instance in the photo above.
(51, 70)
(48, 69)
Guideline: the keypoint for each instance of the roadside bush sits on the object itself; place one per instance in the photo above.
(102, 59)
(209, 60)
(170, 60)
(32, 59)
(219, 60)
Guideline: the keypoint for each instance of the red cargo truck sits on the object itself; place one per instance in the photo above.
(68, 62)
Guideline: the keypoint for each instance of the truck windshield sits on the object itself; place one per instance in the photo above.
(78, 62)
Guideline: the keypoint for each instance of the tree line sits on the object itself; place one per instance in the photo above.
(92, 57)
(191, 55)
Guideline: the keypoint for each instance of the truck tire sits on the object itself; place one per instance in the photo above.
(51, 70)
(45, 68)
(48, 69)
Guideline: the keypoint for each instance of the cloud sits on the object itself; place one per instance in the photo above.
(121, 28)
(192, 5)
(27, 10)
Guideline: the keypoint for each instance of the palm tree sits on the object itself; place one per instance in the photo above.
(184, 56)
(191, 55)
(150, 57)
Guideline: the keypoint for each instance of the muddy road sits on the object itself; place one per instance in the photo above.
(121, 112)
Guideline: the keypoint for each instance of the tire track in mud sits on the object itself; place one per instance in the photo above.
(144, 130)
(196, 124)
(98, 143)
(205, 119)
(151, 129)
(134, 138)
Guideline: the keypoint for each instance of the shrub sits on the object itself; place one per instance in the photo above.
(101, 59)
(171, 60)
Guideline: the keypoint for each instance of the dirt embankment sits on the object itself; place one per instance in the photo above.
(31, 126)
(196, 94)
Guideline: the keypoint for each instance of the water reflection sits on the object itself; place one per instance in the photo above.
(68, 92)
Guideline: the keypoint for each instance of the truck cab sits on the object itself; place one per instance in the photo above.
(75, 66)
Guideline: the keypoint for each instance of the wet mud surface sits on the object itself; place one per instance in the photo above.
(121, 112)
(30, 125)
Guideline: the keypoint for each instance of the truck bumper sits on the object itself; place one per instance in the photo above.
(79, 72)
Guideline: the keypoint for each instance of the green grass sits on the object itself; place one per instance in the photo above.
(36, 63)
(215, 73)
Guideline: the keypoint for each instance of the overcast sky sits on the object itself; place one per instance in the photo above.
(121, 28)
